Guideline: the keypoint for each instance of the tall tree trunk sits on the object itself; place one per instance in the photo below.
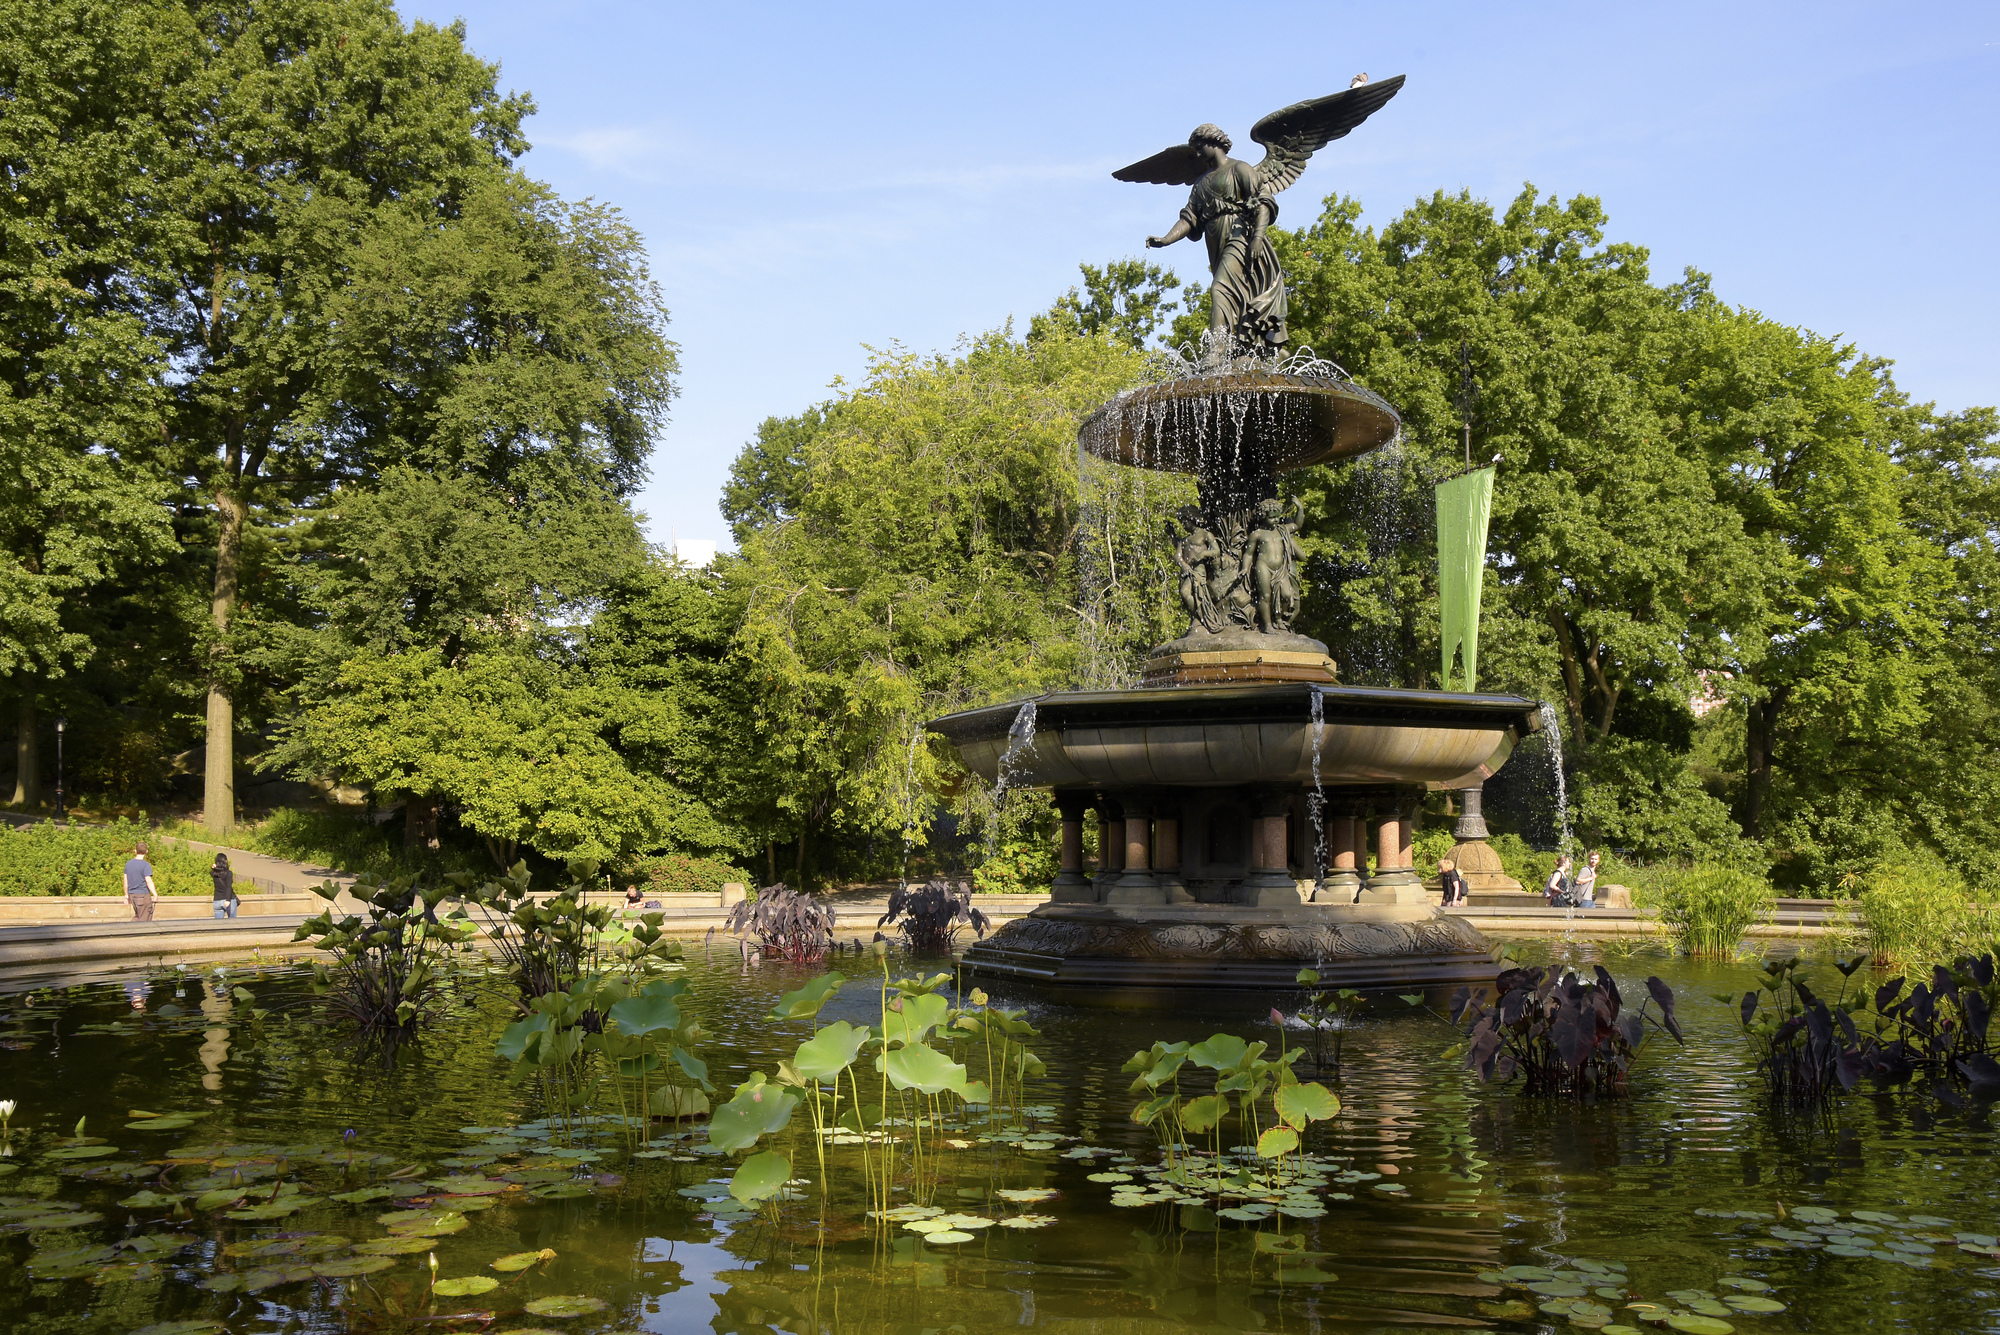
(420, 823)
(218, 788)
(1760, 742)
(802, 860)
(27, 754)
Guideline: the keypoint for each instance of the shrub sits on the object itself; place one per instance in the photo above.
(1524, 864)
(1920, 914)
(1432, 842)
(49, 859)
(1707, 907)
(1018, 867)
(678, 874)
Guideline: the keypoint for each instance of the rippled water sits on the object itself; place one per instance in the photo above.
(1489, 1177)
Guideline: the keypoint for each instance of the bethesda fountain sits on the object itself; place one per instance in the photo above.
(1238, 789)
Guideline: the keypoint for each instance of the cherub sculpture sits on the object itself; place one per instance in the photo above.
(1232, 203)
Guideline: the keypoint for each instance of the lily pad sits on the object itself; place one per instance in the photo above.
(1694, 1323)
(80, 1152)
(522, 1260)
(1929, 1221)
(1557, 1288)
(467, 1287)
(1815, 1214)
(566, 1306)
(562, 1191)
(1876, 1217)
(1028, 1221)
(363, 1195)
(349, 1267)
(179, 1328)
(1752, 1303)
(273, 1209)
(1110, 1177)
(403, 1246)
(149, 1200)
(947, 1237)
(66, 1219)
(469, 1186)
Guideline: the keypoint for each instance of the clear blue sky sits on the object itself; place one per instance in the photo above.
(814, 178)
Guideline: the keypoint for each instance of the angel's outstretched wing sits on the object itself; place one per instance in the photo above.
(1179, 165)
(1291, 136)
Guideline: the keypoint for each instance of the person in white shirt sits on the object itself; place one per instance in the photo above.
(1584, 892)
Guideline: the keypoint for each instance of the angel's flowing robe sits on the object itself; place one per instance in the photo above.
(1230, 209)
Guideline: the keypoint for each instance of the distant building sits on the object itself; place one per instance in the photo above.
(697, 552)
(1711, 696)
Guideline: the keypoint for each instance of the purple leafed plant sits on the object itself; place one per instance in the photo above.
(931, 915)
(787, 923)
(1563, 1033)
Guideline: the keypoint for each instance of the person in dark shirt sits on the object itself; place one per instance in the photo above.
(227, 901)
(139, 888)
(1452, 882)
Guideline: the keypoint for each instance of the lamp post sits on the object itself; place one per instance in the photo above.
(61, 724)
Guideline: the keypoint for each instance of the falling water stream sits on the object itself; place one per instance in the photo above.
(1316, 805)
(1551, 724)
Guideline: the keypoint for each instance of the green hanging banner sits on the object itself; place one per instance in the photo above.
(1464, 503)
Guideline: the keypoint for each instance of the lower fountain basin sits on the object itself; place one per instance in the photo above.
(1262, 734)
(1143, 958)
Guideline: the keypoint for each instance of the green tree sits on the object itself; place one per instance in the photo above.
(1128, 300)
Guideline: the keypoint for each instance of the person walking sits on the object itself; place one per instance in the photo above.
(1556, 892)
(1452, 882)
(1583, 893)
(139, 888)
(227, 901)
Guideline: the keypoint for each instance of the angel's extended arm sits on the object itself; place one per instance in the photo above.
(1178, 232)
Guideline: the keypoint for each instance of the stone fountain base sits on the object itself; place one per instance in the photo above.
(1152, 956)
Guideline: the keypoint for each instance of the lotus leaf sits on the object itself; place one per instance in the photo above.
(273, 1209)
(643, 1015)
(1219, 1052)
(405, 1245)
(924, 1069)
(565, 1306)
(351, 1267)
(806, 1002)
(1815, 1214)
(757, 1109)
(80, 1152)
(760, 1177)
(63, 1219)
(1876, 1217)
(1708, 1307)
(522, 1260)
(1300, 1104)
(830, 1051)
(1279, 1140)
(1762, 1306)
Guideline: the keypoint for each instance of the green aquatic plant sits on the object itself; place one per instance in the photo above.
(1707, 908)
(551, 942)
(930, 916)
(1326, 1014)
(388, 966)
(1913, 916)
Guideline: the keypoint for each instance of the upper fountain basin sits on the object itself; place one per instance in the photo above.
(1248, 421)
(1194, 737)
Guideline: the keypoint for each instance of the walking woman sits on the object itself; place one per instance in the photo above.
(226, 898)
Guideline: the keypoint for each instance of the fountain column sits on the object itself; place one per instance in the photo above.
(1167, 851)
(1342, 881)
(1395, 880)
(1270, 884)
(1110, 847)
(1137, 885)
(1071, 886)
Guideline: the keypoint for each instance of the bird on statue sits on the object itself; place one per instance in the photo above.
(1232, 203)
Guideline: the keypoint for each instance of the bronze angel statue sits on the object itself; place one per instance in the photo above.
(1232, 203)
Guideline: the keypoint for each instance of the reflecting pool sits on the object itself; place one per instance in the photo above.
(175, 1159)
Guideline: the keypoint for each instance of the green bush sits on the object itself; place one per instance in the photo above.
(1523, 863)
(678, 874)
(1913, 915)
(48, 859)
(1707, 907)
(1432, 842)
(1017, 867)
